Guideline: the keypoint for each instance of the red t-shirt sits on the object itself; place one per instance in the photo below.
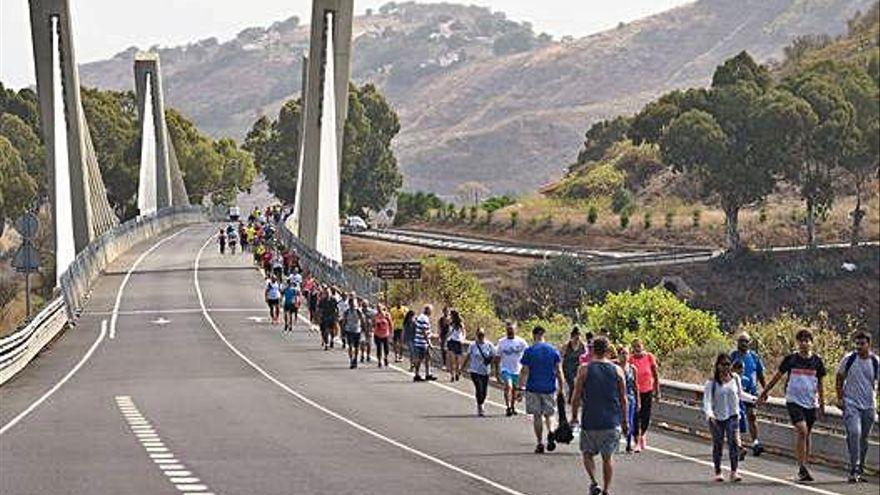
(382, 327)
(644, 375)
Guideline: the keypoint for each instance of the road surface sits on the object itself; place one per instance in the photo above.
(196, 393)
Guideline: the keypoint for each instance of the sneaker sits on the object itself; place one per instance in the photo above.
(629, 449)
(804, 475)
(386, 362)
(718, 478)
(509, 412)
(594, 489)
(551, 442)
(480, 412)
(735, 477)
(757, 449)
(379, 364)
(418, 378)
(539, 449)
(430, 378)
(352, 364)
(853, 477)
(369, 359)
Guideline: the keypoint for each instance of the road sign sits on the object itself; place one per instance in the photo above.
(399, 270)
(26, 259)
(27, 225)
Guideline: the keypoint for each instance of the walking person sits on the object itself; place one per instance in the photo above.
(571, 353)
(369, 325)
(221, 239)
(752, 375)
(510, 351)
(398, 314)
(443, 326)
(632, 393)
(273, 299)
(856, 385)
(454, 344)
(328, 313)
(601, 388)
(291, 298)
(721, 398)
(352, 327)
(478, 360)
(421, 344)
(648, 383)
(409, 333)
(381, 334)
(804, 396)
(542, 373)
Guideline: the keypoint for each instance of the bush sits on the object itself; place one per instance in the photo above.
(695, 218)
(624, 220)
(8, 293)
(662, 321)
(557, 326)
(514, 219)
(462, 213)
(622, 201)
(599, 179)
(592, 215)
(558, 285)
(762, 215)
(670, 218)
(496, 203)
(472, 214)
(646, 222)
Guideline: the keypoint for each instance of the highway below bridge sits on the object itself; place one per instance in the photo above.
(172, 381)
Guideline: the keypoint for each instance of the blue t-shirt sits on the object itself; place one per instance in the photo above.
(541, 358)
(290, 294)
(752, 367)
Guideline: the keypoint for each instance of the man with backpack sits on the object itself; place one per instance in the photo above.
(352, 326)
(856, 383)
(752, 375)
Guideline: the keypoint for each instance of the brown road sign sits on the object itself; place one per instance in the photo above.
(399, 270)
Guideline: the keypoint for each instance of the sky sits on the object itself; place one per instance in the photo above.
(103, 28)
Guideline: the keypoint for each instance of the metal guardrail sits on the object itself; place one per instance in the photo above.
(18, 349)
(327, 270)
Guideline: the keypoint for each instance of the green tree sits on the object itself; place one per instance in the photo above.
(239, 171)
(27, 142)
(18, 190)
(200, 164)
(601, 135)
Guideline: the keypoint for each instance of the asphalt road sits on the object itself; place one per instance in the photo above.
(197, 393)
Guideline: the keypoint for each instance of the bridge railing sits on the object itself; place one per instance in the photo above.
(19, 348)
(328, 270)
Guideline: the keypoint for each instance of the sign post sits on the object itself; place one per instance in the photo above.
(27, 259)
(397, 270)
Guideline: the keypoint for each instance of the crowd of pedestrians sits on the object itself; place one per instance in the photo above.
(609, 388)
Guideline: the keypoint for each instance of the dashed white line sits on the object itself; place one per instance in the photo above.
(171, 467)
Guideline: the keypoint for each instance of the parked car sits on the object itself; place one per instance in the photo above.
(354, 224)
(234, 213)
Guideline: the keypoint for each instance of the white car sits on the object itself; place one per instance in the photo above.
(355, 224)
(234, 213)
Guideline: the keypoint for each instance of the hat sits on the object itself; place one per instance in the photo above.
(744, 336)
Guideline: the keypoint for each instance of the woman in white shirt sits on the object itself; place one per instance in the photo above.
(454, 344)
(721, 399)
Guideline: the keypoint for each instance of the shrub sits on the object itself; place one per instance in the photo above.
(695, 218)
(670, 218)
(488, 218)
(646, 222)
(592, 215)
(622, 201)
(558, 285)
(462, 213)
(8, 293)
(624, 220)
(514, 219)
(655, 315)
(495, 203)
(472, 214)
(762, 214)
(558, 327)
(600, 179)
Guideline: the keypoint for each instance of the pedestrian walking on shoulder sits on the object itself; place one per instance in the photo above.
(478, 361)
(571, 353)
(632, 393)
(328, 315)
(648, 382)
(352, 327)
(221, 238)
(601, 388)
(369, 326)
(381, 334)
(398, 315)
(542, 373)
(857, 377)
(454, 338)
(421, 344)
(721, 398)
(752, 375)
(409, 333)
(291, 296)
(804, 396)
(443, 326)
(273, 299)
(510, 351)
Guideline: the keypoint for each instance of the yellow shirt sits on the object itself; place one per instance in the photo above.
(397, 316)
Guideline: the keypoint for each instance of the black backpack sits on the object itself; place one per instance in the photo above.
(563, 433)
(875, 362)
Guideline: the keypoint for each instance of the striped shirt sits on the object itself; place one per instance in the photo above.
(423, 331)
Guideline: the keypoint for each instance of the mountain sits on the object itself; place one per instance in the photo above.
(480, 97)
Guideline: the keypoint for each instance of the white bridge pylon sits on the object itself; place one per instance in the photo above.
(325, 108)
(146, 199)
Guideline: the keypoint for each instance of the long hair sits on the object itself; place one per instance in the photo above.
(409, 317)
(722, 357)
(455, 317)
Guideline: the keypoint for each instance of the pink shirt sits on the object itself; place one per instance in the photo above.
(644, 373)
(587, 356)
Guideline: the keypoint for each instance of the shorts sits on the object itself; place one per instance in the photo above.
(368, 337)
(290, 308)
(353, 339)
(538, 403)
(603, 442)
(419, 352)
(454, 347)
(398, 335)
(273, 302)
(798, 413)
(511, 378)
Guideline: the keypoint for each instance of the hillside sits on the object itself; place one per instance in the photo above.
(472, 87)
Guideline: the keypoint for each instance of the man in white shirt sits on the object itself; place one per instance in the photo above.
(856, 382)
(510, 351)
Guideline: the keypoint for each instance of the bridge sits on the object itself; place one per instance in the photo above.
(169, 379)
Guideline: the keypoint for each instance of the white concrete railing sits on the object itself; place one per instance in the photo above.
(18, 349)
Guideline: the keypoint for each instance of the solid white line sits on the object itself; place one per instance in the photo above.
(325, 410)
(61, 382)
(115, 313)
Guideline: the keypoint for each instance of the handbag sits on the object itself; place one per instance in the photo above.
(486, 360)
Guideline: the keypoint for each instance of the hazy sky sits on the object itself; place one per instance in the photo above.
(105, 27)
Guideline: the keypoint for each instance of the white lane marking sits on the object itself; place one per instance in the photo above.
(114, 315)
(176, 473)
(329, 412)
(746, 472)
(61, 382)
(136, 312)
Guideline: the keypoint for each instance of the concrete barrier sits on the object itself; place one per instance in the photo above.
(18, 349)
